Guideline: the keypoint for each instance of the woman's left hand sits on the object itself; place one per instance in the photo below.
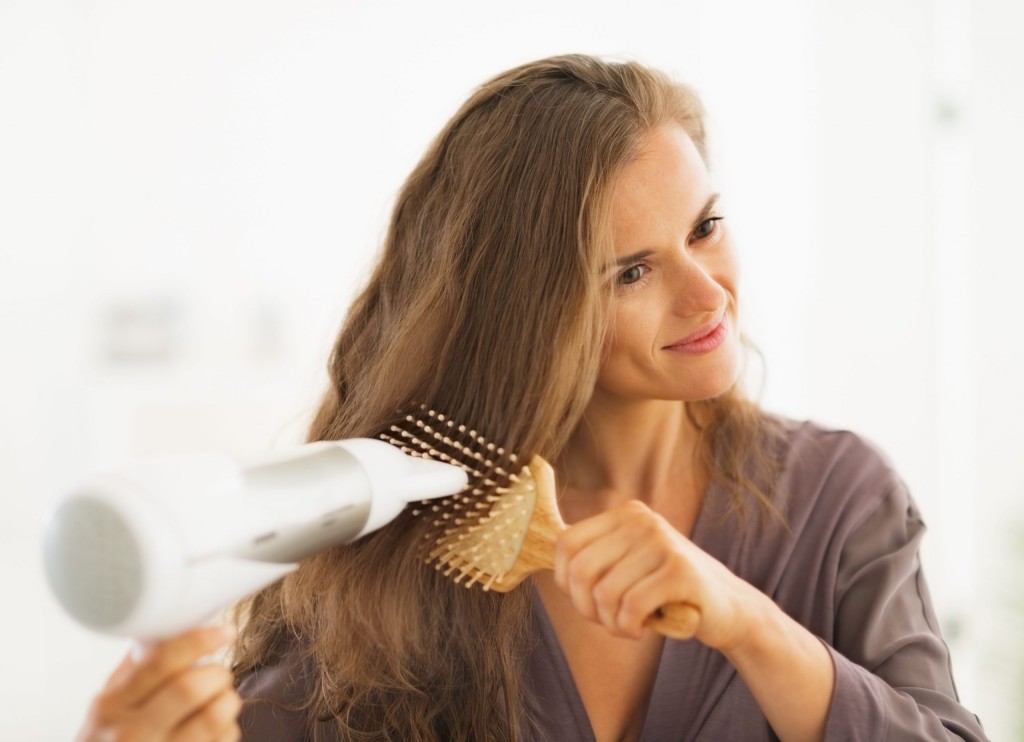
(620, 566)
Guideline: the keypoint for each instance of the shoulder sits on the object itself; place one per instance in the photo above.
(843, 506)
(274, 697)
(833, 472)
(807, 442)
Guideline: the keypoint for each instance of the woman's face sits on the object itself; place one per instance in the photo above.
(673, 332)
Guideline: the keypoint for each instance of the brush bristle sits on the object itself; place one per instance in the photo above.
(474, 535)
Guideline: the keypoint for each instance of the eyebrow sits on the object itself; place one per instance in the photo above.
(630, 259)
(704, 213)
(708, 208)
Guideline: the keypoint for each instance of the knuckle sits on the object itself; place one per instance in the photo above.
(581, 573)
(660, 535)
(158, 662)
(630, 607)
(566, 543)
(675, 570)
(209, 722)
(221, 675)
(185, 690)
(603, 593)
(199, 728)
(635, 508)
(647, 529)
(220, 715)
(646, 524)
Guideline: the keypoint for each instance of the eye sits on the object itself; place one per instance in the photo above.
(632, 275)
(706, 227)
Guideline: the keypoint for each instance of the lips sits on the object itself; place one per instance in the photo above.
(704, 340)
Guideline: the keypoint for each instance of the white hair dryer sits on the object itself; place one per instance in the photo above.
(159, 547)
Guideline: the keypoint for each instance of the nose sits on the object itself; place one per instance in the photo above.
(695, 290)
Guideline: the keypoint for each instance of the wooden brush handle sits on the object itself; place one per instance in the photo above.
(675, 620)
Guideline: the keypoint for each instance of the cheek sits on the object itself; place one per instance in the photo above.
(633, 331)
(627, 357)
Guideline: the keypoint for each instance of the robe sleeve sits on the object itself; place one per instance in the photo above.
(893, 676)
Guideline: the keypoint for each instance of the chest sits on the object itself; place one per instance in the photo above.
(613, 676)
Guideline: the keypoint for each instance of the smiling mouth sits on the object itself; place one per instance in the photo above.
(704, 340)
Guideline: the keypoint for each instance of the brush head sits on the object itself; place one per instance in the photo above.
(477, 534)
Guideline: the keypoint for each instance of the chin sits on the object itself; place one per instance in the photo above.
(712, 378)
(674, 390)
(707, 391)
(708, 385)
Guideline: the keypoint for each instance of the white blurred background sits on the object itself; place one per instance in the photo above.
(190, 192)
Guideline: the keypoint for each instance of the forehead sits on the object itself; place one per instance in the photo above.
(661, 191)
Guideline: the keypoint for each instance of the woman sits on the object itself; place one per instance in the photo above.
(558, 273)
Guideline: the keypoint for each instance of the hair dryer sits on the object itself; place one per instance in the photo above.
(158, 547)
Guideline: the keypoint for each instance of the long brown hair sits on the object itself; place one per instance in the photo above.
(489, 303)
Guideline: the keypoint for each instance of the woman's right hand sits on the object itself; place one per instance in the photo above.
(168, 695)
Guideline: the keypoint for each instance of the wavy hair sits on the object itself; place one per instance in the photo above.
(490, 303)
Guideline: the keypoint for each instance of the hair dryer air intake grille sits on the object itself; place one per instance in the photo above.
(93, 562)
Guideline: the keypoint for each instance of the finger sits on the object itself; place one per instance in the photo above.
(217, 720)
(633, 528)
(110, 704)
(588, 567)
(185, 695)
(603, 569)
(231, 734)
(168, 658)
(120, 672)
(668, 583)
(579, 535)
(637, 567)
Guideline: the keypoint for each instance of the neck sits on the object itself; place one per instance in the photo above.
(626, 449)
